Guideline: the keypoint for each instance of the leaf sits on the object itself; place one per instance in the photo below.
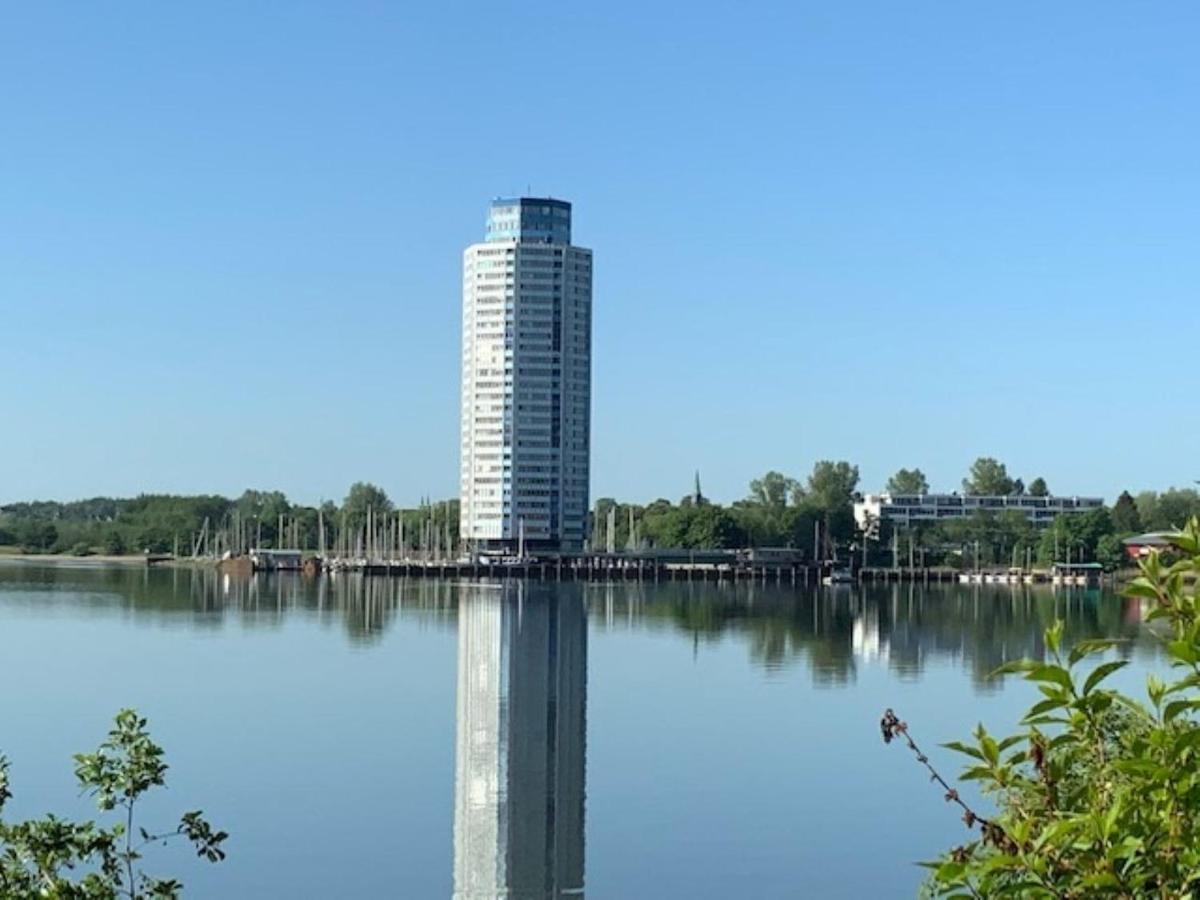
(991, 750)
(1140, 587)
(1110, 818)
(1054, 636)
(1088, 647)
(1189, 740)
(976, 773)
(1045, 720)
(1012, 740)
(1043, 707)
(1101, 672)
(1176, 708)
(1012, 667)
(1184, 651)
(1053, 674)
(960, 747)
(949, 871)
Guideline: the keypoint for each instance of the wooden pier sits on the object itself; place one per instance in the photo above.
(599, 567)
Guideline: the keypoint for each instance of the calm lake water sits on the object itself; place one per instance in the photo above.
(378, 738)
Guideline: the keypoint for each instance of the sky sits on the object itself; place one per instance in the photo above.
(897, 234)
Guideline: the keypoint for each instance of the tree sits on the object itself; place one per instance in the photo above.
(36, 535)
(987, 476)
(364, 496)
(1147, 507)
(1037, 488)
(711, 528)
(830, 496)
(1096, 796)
(1175, 506)
(908, 481)
(1075, 536)
(1110, 552)
(832, 484)
(55, 858)
(1125, 517)
(113, 543)
(263, 509)
(773, 490)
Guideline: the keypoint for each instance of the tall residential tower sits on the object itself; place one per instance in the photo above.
(526, 380)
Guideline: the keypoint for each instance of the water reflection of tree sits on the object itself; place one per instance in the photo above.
(832, 631)
(906, 627)
(203, 597)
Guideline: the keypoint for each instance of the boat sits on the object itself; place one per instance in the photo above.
(838, 575)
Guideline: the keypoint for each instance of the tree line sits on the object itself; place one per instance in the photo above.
(813, 515)
(165, 523)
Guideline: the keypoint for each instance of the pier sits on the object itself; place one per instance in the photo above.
(706, 566)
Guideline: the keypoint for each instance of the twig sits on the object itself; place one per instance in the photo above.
(892, 728)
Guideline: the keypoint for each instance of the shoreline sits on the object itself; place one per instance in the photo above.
(101, 559)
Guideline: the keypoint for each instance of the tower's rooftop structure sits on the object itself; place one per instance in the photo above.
(539, 220)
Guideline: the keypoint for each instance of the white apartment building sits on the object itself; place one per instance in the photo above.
(526, 381)
(910, 509)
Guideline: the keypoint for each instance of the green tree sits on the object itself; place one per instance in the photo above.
(987, 476)
(113, 543)
(261, 511)
(55, 858)
(1110, 552)
(1174, 507)
(363, 497)
(1125, 517)
(830, 498)
(1147, 508)
(908, 481)
(1038, 488)
(1075, 535)
(711, 527)
(831, 485)
(38, 536)
(1099, 794)
(773, 490)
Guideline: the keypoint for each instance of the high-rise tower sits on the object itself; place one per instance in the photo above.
(526, 380)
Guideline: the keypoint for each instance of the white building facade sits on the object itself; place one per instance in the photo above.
(526, 381)
(913, 509)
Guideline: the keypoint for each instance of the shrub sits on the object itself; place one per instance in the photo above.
(42, 858)
(1100, 794)
(114, 544)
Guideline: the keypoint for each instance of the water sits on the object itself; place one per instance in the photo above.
(374, 738)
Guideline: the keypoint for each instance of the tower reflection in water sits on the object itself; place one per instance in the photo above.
(520, 748)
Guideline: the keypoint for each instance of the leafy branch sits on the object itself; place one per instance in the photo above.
(1100, 794)
(38, 858)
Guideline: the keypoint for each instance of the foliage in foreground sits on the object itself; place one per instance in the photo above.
(54, 858)
(1100, 795)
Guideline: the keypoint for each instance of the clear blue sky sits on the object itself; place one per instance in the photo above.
(899, 234)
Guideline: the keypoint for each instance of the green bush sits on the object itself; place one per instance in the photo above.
(1099, 796)
(55, 858)
(114, 544)
(81, 549)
